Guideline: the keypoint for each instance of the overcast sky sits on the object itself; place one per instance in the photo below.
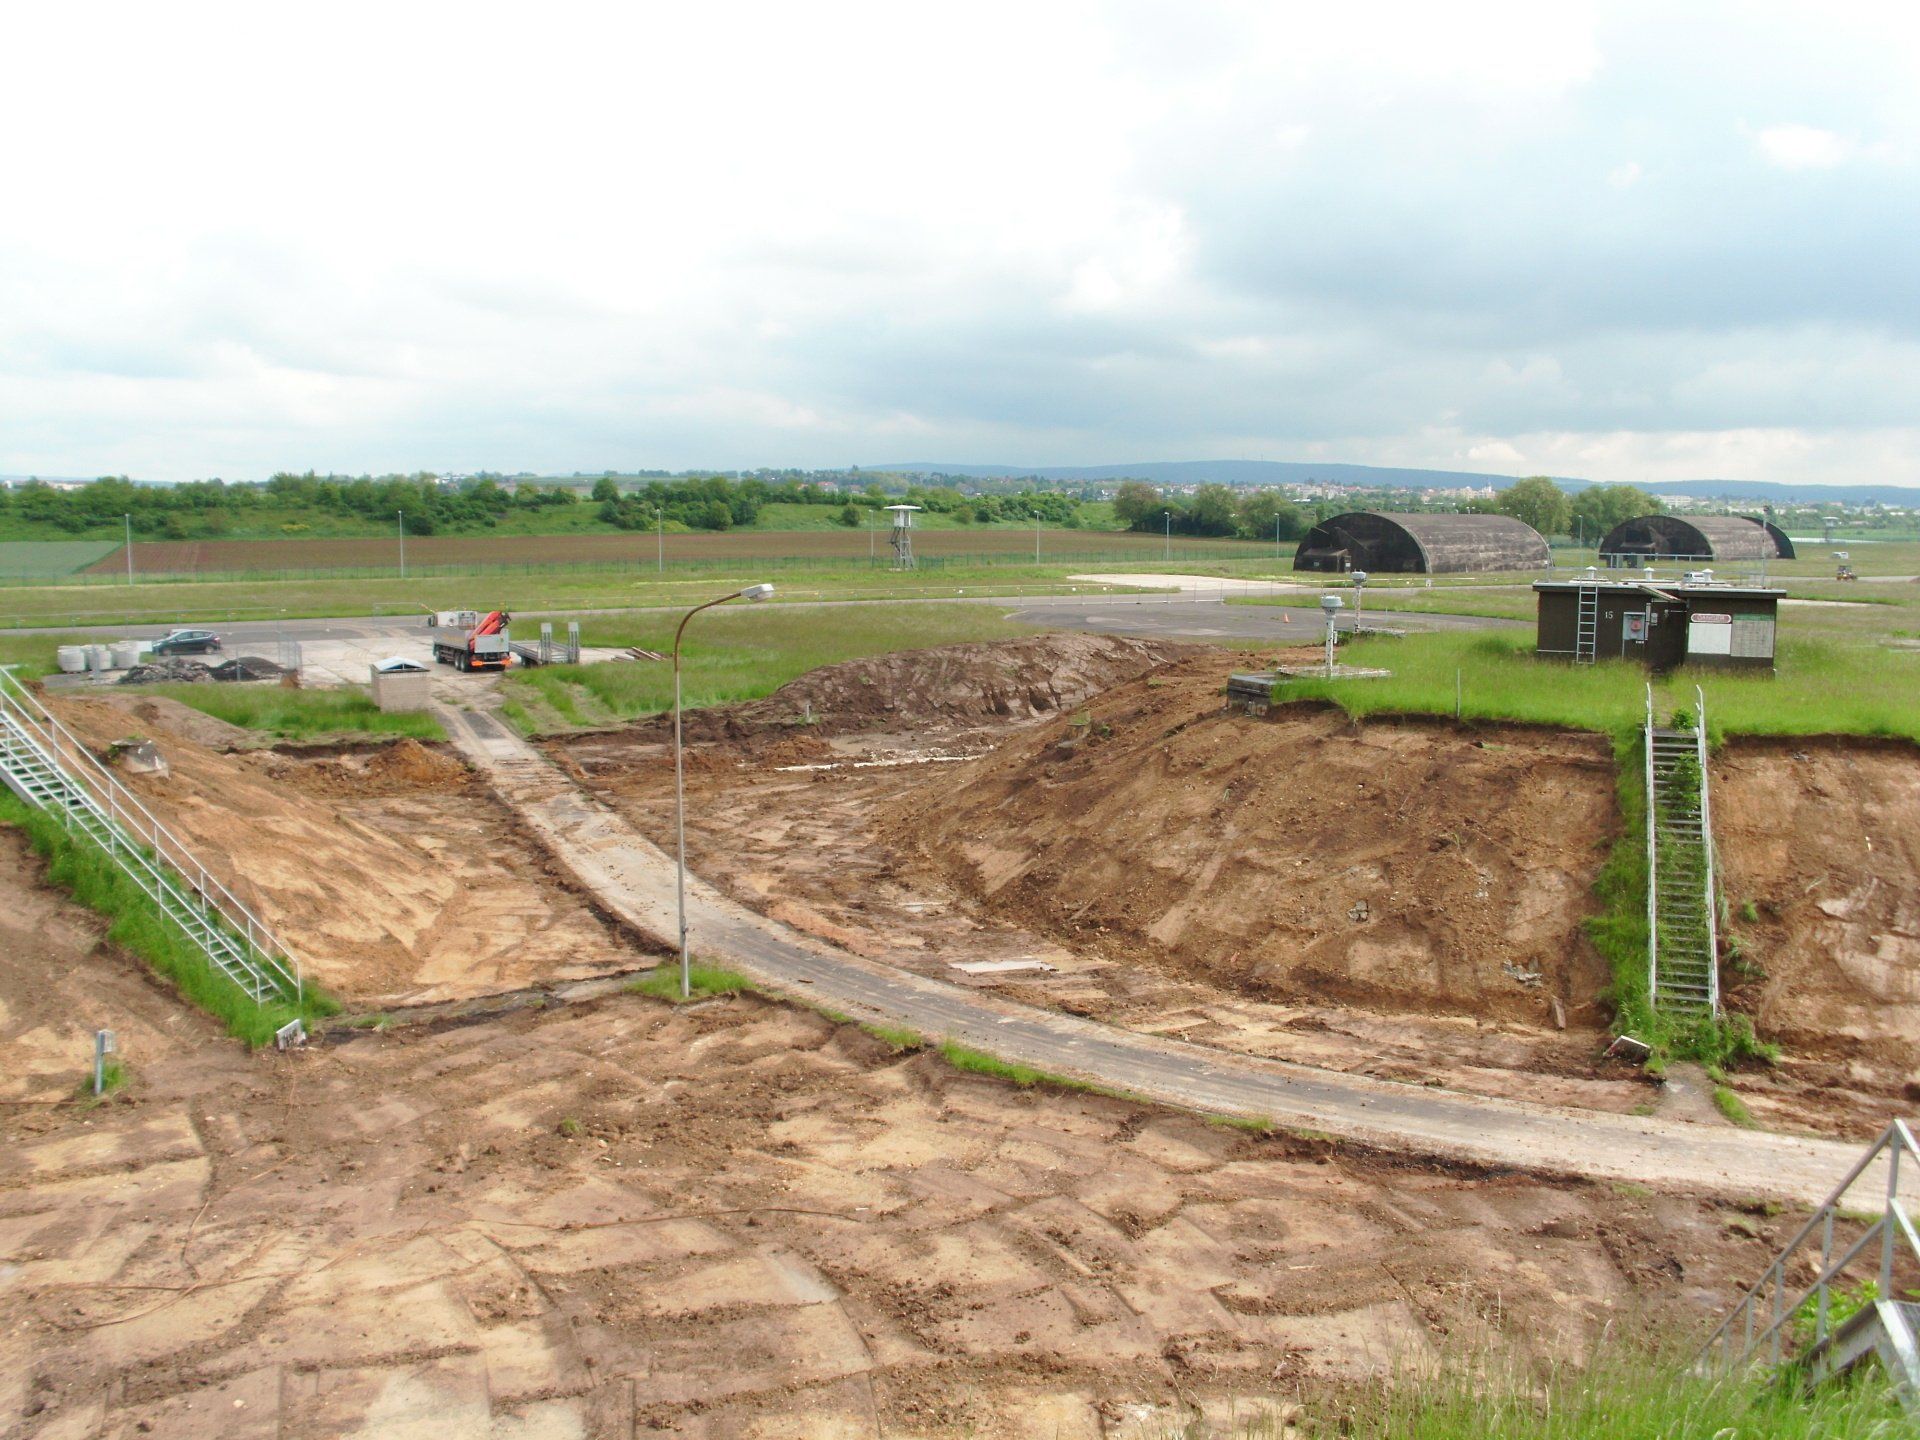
(1634, 242)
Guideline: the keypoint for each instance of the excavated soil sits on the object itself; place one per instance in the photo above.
(614, 1218)
(1819, 846)
(992, 683)
(1413, 866)
(394, 874)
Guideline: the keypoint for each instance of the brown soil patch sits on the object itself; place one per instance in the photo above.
(1408, 866)
(742, 1221)
(1822, 840)
(61, 979)
(394, 875)
(159, 715)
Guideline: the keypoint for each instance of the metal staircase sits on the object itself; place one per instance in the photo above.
(1683, 940)
(1777, 1314)
(45, 764)
(1586, 630)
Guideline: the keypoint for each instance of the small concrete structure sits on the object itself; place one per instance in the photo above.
(1658, 622)
(401, 684)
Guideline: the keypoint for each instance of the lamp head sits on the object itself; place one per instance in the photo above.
(757, 592)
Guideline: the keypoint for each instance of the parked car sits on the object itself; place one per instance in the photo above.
(186, 642)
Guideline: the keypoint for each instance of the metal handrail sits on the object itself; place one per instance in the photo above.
(1723, 1351)
(1706, 844)
(1653, 866)
(124, 808)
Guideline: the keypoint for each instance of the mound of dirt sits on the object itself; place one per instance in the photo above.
(410, 765)
(159, 715)
(1412, 866)
(403, 767)
(987, 682)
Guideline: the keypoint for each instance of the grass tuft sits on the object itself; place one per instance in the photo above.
(138, 926)
(704, 982)
(898, 1037)
(1733, 1107)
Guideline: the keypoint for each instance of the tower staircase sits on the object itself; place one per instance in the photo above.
(1683, 940)
(46, 765)
(1848, 1313)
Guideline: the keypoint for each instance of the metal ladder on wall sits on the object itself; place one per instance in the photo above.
(1586, 628)
(1776, 1313)
(1683, 934)
(45, 764)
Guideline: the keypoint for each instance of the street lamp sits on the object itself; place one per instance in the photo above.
(752, 592)
(1169, 515)
(400, 528)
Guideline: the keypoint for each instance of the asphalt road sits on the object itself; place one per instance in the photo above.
(635, 880)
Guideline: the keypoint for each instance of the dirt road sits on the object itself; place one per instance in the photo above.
(636, 880)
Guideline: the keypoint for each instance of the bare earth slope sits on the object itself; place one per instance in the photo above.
(1819, 845)
(1400, 866)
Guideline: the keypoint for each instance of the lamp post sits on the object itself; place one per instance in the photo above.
(129, 520)
(660, 535)
(400, 529)
(1169, 515)
(752, 592)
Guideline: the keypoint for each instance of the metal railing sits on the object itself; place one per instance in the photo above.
(1712, 897)
(1765, 1314)
(1653, 862)
(79, 767)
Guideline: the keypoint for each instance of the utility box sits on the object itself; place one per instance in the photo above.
(401, 684)
(1659, 623)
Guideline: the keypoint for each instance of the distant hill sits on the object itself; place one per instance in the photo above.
(1384, 477)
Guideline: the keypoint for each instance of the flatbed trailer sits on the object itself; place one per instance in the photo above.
(487, 646)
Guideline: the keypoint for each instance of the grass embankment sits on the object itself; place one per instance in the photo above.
(289, 714)
(138, 925)
(740, 653)
(704, 981)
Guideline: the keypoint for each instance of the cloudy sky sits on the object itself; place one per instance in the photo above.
(1635, 242)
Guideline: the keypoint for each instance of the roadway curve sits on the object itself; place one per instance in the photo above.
(635, 880)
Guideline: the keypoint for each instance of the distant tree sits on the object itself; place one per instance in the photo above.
(606, 488)
(1539, 502)
(1212, 511)
(849, 516)
(1267, 515)
(1599, 508)
(1137, 505)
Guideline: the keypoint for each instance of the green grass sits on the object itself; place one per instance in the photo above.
(1822, 687)
(113, 1079)
(897, 1037)
(290, 714)
(44, 559)
(33, 656)
(1635, 1396)
(138, 926)
(978, 1062)
(705, 981)
(740, 653)
(1733, 1107)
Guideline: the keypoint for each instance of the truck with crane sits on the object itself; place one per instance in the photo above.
(484, 646)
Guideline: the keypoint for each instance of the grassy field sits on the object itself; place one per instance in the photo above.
(530, 595)
(43, 559)
(1821, 687)
(427, 555)
(740, 653)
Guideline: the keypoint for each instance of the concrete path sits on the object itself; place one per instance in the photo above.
(635, 880)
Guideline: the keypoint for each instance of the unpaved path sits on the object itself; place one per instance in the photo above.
(636, 880)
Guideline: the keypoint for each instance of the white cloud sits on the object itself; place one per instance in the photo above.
(1803, 147)
(237, 239)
